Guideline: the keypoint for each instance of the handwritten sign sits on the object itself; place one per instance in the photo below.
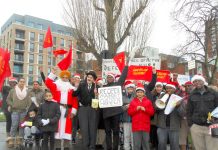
(110, 97)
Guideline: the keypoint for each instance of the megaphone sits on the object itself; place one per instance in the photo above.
(161, 103)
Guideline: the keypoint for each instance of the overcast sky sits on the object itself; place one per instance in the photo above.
(163, 36)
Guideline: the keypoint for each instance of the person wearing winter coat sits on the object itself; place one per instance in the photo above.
(48, 117)
(140, 110)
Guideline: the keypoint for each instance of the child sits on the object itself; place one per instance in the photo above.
(30, 125)
(141, 109)
(48, 115)
(127, 123)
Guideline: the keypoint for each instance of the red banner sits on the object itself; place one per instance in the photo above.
(120, 60)
(139, 73)
(65, 63)
(48, 39)
(163, 76)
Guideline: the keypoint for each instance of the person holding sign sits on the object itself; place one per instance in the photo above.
(140, 110)
(88, 116)
(111, 115)
(202, 100)
(169, 125)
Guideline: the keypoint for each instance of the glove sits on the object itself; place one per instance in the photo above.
(23, 124)
(45, 122)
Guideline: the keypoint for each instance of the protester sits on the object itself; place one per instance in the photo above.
(184, 130)
(88, 116)
(168, 125)
(128, 96)
(5, 91)
(62, 91)
(202, 100)
(30, 125)
(141, 109)
(112, 115)
(18, 102)
(48, 116)
(37, 94)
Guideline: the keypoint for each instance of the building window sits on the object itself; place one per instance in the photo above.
(18, 68)
(30, 69)
(31, 24)
(32, 36)
(40, 80)
(49, 60)
(60, 32)
(41, 38)
(20, 34)
(18, 57)
(19, 45)
(40, 48)
(62, 42)
(54, 40)
(32, 47)
(30, 80)
(39, 26)
(40, 59)
(31, 58)
(54, 61)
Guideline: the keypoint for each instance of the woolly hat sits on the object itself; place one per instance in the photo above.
(140, 87)
(76, 75)
(12, 79)
(128, 84)
(92, 73)
(198, 77)
(171, 84)
(159, 83)
(111, 74)
(65, 73)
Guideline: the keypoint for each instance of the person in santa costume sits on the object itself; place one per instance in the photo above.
(62, 91)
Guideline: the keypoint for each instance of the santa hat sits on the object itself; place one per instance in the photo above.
(128, 84)
(117, 77)
(140, 87)
(171, 84)
(99, 80)
(65, 73)
(198, 77)
(159, 84)
(12, 79)
(111, 74)
(188, 83)
(76, 75)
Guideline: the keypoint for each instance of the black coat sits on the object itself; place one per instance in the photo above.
(112, 111)
(5, 92)
(49, 110)
(199, 105)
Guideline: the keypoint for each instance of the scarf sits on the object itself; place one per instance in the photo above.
(21, 94)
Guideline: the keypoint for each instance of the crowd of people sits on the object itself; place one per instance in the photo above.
(65, 108)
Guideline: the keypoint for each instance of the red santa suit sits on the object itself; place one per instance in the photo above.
(62, 94)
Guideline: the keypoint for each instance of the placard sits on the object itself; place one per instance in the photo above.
(110, 97)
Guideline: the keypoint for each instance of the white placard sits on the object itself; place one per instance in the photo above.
(191, 64)
(182, 79)
(172, 103)
(110, 97)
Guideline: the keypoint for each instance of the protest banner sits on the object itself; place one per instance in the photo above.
(140, 73)
(110, 97)
(163, 76)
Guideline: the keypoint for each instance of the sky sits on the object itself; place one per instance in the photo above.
(163, 35)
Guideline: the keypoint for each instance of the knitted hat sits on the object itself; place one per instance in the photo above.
(171, 84)
(65, 73)
(140, 87)
(12, 79)
(159, 84)
(198, 77)
(128, 84)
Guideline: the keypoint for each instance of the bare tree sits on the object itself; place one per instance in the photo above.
(197, 18)
(108, 24)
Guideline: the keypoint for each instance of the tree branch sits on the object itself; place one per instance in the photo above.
(97, 7)
(119, 11)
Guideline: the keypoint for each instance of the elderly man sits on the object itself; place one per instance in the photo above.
(202, 100)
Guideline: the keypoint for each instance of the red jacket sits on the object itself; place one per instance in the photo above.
(141, 119)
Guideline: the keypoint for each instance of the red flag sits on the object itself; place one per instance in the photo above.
(140, 73)
(59, 52)
(120, 60)
(66, 62)
(5, 70)
(48, 39)
(163, 76)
